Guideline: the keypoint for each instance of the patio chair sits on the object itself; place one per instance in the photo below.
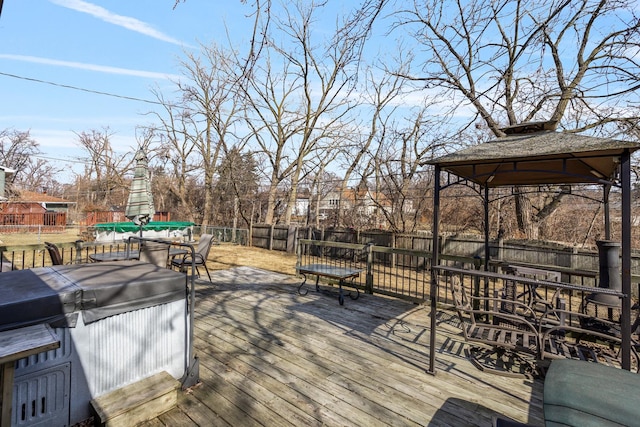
(54, 253)
(155, 253)
(512, 339)
(580, 336)
(200, 258)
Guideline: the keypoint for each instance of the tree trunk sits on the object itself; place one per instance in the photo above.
(271, 203)
(524, 215)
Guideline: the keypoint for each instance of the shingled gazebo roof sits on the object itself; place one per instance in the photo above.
(543, 157)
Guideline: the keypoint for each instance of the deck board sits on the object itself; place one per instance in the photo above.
(269, 356)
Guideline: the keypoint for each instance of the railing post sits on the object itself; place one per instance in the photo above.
(292, 237)
(369, 281)
(477, 263)
(393, 254)
(78, 251)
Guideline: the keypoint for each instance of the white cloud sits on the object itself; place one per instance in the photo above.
(91, 67)
(127, 22)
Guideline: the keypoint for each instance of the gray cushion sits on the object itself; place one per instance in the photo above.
(578, 393)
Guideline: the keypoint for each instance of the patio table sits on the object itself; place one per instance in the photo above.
(129, 255)
(332, 272)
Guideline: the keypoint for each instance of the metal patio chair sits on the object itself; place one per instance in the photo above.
(182, 262)
(54, 253)
(510, 340)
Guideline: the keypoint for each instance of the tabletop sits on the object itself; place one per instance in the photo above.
(129, 255)
(331, 271)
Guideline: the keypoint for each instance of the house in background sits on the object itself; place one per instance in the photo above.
(33, 202)
(301, 208)
(5, 173)
(361, 205)
(28, 211)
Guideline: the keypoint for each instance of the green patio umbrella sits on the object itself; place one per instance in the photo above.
(140, 208)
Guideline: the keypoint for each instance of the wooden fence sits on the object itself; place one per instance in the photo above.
(32, 222)
(565, 258)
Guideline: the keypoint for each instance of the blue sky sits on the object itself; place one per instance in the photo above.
(124, 48)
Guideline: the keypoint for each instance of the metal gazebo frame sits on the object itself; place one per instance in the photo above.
(531, 155)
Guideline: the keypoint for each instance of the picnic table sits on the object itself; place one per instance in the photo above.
(341, 274)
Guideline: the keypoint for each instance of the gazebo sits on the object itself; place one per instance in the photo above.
(531, 155)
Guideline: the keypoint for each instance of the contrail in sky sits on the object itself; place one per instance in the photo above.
(90, 67)
(127, 22)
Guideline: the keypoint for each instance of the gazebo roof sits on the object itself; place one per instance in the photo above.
(543, 157)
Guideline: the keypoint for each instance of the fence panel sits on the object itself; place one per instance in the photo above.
(33, 222)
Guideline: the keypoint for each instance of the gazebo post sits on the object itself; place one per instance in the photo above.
(607, 211)
(486, 244)
(434, 262)
(625, 321)
(486, 228)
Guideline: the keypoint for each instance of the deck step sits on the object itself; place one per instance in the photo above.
(137, 402)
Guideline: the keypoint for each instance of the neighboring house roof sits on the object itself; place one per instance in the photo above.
(33, 197)
(7, 171)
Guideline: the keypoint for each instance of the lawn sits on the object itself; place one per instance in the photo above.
(24, 239)
(229, 255)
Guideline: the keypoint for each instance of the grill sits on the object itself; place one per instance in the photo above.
(117, 322)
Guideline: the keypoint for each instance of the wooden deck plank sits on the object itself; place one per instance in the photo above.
(269, 356)
(316, 388)
(200, 413)
(357, 355)
(220, 404)
(274, 392)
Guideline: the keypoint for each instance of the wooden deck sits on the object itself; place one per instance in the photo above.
(269, 356)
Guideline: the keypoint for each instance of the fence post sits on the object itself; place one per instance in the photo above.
(271, 230)
(573, 262)
(369, 281)
(292, 238)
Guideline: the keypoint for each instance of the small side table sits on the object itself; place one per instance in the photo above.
(14, 345)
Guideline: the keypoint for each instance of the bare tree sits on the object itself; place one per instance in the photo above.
(39, 175)
(299, 90)
(565, 62)
(380, 101)
(209, 99)
(176, 154)
(398, 167)
(17, 151)
(104, 169)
